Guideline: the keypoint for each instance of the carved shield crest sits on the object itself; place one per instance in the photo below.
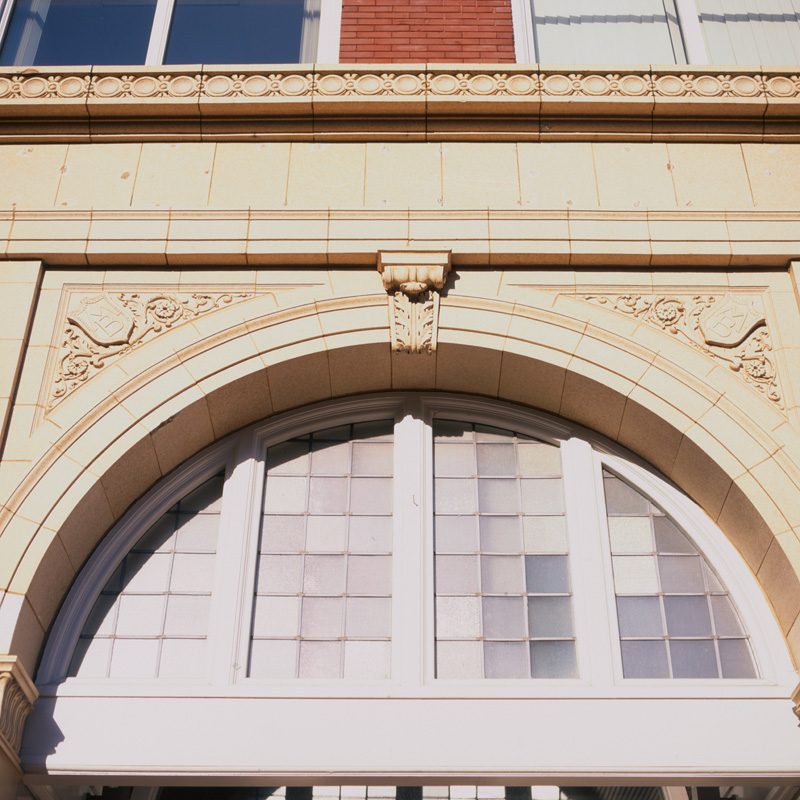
(729, 322)
(103, 320)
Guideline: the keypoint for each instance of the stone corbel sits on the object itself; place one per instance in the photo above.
(796, 701)
(17, 695)
(413, 280)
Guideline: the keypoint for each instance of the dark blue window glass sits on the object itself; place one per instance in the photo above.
(58, 32)
(237, 32)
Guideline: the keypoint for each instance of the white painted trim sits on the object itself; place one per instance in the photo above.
(692, 32)
(330, 29)
(159, 33)
(523, 31)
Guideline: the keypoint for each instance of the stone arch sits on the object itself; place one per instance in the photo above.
(169, 399)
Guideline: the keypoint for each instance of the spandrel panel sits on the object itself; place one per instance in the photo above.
(325, 575)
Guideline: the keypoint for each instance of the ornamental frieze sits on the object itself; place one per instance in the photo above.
(724, 327)
(103, 326)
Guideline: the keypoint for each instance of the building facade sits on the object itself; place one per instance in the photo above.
(399, 393)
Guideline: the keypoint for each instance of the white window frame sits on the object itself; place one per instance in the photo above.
(327, 50)
(688, 19)
(584, 455)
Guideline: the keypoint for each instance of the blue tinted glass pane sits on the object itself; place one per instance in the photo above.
(237, 32)
(57, 32)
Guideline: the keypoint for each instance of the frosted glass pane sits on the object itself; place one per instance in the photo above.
(497, 459)
(543, 496)
(331, 459)
(505, 660)
(455, 496)
(669, 539)
(498, 495)
(369, 575)
(197, 533)
(140, 615)
(324, 575)
(326, 534)
(368, 617)
(537, 459)
(207, 497)
(622, 499)
(371, 496)
(456, 534)
(367, 660)
(639, 616)
(502, 574)
(553, 660)
(687, 616)
(273, 659)
(500, 534)
(504, 617)
(454, 459)
(276, 616)
(550, 617)
(458, 617)
(487, 433)
(282, 534)
(101, 618)
(90, 659)
(712, 581)
(546, 574)
(645, 659)
(280, 574)
(134, 658)
(459, 660)
(147, 573)
(372, 458)
(187, 615)
(288, 458)
(327, 495)
(635, 574)
(322, 616)
(545, 534)
(630, 534)
(726, 620)
(159, 535)
(192, 573)
(284, 495)
(681, 574)
(320, 659)
(693, 658)
(182, 658)
(370, 535)
(736, 659)
(456, 574)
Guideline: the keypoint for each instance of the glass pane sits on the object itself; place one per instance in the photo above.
(280, 574)
(503, 617)
(553, 660)
(187, 615)
(669, 538)
(192, 573)
(276, 616)
(645, 659)
(545, 534)
(543, 496)
(282, 534)
(330, 459)
(454, 496)
(134, 658)
(288, 458)
(367, 660)
(140, 615)
(320, 659)
(273, 658)
(550, 617)
(693, 658)
(635, 574)
(459, 660)
(369, 617)
(500, 535)
(182, 658)
(546, 574)
(326, 495)
(506, 660)
(622, 499)
(456, 574)
(456, 534)
(687, 616)
(454, 459)
(197, 533)
(502, 574)
(640, 616)
(497, 459)
(458, 617)
(726, 620)
(322, 616)
(498, 495)
(736, 659)
(369, 575)
(372, 458)
(285, 495)
(681, 574)
(371, 496)
(370, 534)
(538, 459)
(60, 32)
(326, 534)
(239, 32)
(630, 535)
(147, 573)
(324, 575)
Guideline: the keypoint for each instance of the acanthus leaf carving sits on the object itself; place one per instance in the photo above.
(17, 695)
(723, 327)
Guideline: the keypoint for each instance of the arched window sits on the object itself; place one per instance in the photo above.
(488, 541)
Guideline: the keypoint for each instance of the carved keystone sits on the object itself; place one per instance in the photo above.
(17, 695)
(413, 280)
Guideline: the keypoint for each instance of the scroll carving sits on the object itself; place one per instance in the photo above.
(17, 694)
(100, 328)
(723, 327)
(413, 281)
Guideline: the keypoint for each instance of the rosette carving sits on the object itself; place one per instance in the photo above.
(17, 695)
(100, 328)
(413, 281)
(723, 327)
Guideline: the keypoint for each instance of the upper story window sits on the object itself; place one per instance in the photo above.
(415, 540)
(97, 32)
(732, 32)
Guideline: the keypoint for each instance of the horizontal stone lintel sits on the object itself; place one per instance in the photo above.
(424, 102)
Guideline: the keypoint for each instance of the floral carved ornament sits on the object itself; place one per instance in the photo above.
(723, 327)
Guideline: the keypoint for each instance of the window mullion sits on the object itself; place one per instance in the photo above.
(330, 25)
(159, 32)
(692, 31)
(410, 627)
(591, 585)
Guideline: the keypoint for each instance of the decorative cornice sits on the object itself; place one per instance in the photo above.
(17, 695)
(413, 280)
(723, 327)
(518, 98)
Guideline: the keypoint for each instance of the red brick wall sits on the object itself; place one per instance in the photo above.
(426, 30)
